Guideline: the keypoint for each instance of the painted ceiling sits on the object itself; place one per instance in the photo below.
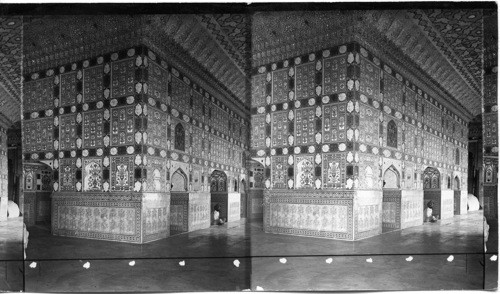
(446, 45)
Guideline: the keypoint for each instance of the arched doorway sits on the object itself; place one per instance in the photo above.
(37, 191)
(432, 190)
(178, 182)
(456, 196)
(391, 200)
(219, 193)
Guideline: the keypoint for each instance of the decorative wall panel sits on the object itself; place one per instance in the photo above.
(305, 80)
(334, 170)
(67, 133)
(279, 176)
(157, 82)
(259, 93)
(38, 135)
(368, 125)
(157, 128)
(305, 126)
(122, 173)
(181, 95)
(67, 174)
(93, 129)
(38, 94)
(258, 131)
(280, 86)
(122, 126)
(369, 79)
(68, 89)
(334, 75)
(123, 78)
(393, 92)
(304, 172)
(92, 174)
(93, 83)
(279, 132)
(156, 174)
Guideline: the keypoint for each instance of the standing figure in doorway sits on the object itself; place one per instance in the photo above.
(217, 220)
(428, 212)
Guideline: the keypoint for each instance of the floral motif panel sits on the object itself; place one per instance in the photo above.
(181, 95)
(93, 129)
(369, 79)
(157, 82)
(122, 126)
(38, 94)
(304, 172)
(67, 132)
(334, 170)
(197, 105)
(334, 75)
(38, 135)
(122, 173)
(279, 135)
(334, 123)
(92, 174)
(305, 80)
(280, 86)
(259, 84)
(490, 130)
(68, 89)
(67, 174)
(93, 83)
(369, 171)
(156, 177)
(123, 78)
(279, 175)
(305, 126)
(197, 142)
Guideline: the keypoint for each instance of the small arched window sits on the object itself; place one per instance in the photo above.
(392, 134)
(180, 137)
(457, 156)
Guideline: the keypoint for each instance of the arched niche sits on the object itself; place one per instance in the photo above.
(218, 181)
(392, 134)
(456, 183)
(431, 178)
(391, 178)
(178, 181)
(179, 137)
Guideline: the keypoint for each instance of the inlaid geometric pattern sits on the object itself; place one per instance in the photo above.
(334, 123)
(334, 75)
(122, 78)
(122, 126)
(67, 174)
(122, 173)
(279, 133)
(305, 126)
(198, 104)
(157, 82)
(38, 94)
(93, 129)
(280, 86)
(68, 89)
(259, 90)
(38, 135)
(181, 94)
(67, 132)
(93, 84)
(305, 80)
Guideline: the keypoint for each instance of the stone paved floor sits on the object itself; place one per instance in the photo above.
(311, 264)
